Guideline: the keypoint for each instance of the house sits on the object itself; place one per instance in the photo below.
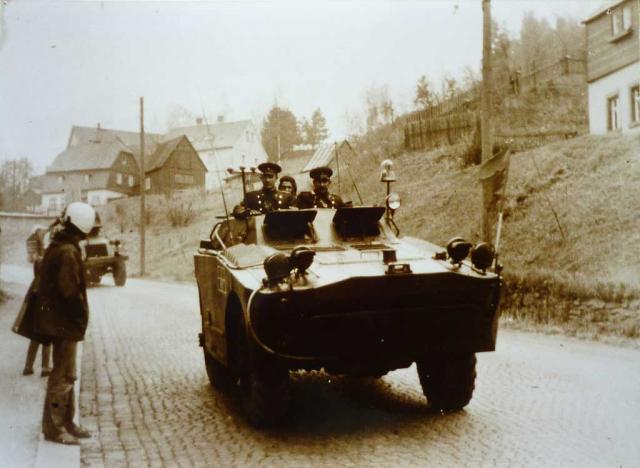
(93, 172)
(223, 145)
(613, 67)
(172, 165)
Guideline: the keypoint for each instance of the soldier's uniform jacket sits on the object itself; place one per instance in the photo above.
(264, 201)
(62, 310)
(315, 200)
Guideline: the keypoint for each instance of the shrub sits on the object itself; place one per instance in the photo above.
(180, 213)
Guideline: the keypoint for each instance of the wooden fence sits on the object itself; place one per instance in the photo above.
(457, 117)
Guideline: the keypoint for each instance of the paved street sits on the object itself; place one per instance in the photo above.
(539, 401)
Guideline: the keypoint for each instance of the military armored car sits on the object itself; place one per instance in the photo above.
(340, 290)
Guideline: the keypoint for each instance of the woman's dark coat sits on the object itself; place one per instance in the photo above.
(62, 310)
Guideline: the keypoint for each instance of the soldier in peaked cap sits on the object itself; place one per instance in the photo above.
(320, 197)
(268, 198)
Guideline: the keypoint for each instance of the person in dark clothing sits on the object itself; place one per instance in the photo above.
(288, 184)
(268, 198)
(320, 197)
(63, 316)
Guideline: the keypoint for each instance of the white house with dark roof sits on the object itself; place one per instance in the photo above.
(613, 67)
(223, 145)
(92, 172)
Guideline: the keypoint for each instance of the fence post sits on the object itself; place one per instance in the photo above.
(533, 75)
(565, 63)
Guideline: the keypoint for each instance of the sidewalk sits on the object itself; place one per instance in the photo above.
(22, 397)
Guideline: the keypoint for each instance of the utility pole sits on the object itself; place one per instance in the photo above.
(143, 186)
(486, 118)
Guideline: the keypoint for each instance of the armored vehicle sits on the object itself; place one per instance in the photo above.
(339, 290)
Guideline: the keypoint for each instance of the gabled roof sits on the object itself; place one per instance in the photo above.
(88, 157)
(156, 157)
(225, 134)
(324, 155)
(80, 136)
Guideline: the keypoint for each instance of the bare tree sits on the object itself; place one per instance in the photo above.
(14, 182)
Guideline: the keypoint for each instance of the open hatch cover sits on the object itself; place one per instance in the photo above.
(291, 223)
(358, 221)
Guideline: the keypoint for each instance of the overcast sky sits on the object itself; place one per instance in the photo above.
(70, 63)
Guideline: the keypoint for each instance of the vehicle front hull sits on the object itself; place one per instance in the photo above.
(374, 323)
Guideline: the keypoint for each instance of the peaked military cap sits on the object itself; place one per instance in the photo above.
(269, 167)
(317, 172)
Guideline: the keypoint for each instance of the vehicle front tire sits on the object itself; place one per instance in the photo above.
(219, 376)
(265, 396)
(120, 273)
(448, 380)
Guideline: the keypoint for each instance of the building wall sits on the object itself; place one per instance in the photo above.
(183, 169)
(606, 54)
(600, 91)
(126, 165)
(53, 203)
(102, 197)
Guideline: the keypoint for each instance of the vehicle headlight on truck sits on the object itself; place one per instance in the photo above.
(277, 266)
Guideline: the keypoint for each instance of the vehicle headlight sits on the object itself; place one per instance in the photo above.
(277, 267)
(458, 249)
(302, 258)
(393, 201)
(482, 256)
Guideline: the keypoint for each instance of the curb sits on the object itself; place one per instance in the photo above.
(52, 455)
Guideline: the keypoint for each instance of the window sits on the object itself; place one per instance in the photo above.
(124, 160)
(184, 179)
(613, 120)
(130, 181)
(119, 178)
(87, 178)
(53, 204)
(635, 104)
(620, 20)
(60, 179)
(147, 183)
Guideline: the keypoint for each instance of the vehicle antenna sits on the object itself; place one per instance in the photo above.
(355, 186)
(335, 144)
(215, 160)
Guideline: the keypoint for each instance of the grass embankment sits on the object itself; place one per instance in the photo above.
(579, 274)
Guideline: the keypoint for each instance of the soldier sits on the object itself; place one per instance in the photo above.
(268, 198)
(320, 197)
(288, 184)
(62, 316)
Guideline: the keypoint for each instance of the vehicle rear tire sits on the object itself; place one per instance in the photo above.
(120, 273)
(448, 380)
(220, 377)
(265, 396)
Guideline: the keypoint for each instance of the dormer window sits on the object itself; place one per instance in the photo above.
(620, 20)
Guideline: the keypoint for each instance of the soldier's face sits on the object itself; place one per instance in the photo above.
(321, 185)
(268, 180)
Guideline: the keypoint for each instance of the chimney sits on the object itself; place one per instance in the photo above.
(220, 118)
(199, 121)
(97, 138)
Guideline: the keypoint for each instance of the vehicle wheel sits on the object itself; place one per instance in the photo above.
(265, 395)
(448, 380)
(120, 273)
(219, 376)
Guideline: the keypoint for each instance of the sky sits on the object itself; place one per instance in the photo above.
(65, 63)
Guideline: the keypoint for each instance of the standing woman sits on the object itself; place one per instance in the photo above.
(63, 316)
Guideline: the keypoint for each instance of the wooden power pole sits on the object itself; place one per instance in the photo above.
(143, 186)
(486, 118)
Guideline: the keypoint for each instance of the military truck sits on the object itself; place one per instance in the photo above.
(341, 290)
(102, 256)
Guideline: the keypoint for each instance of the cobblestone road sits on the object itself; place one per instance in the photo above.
(539, 401)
